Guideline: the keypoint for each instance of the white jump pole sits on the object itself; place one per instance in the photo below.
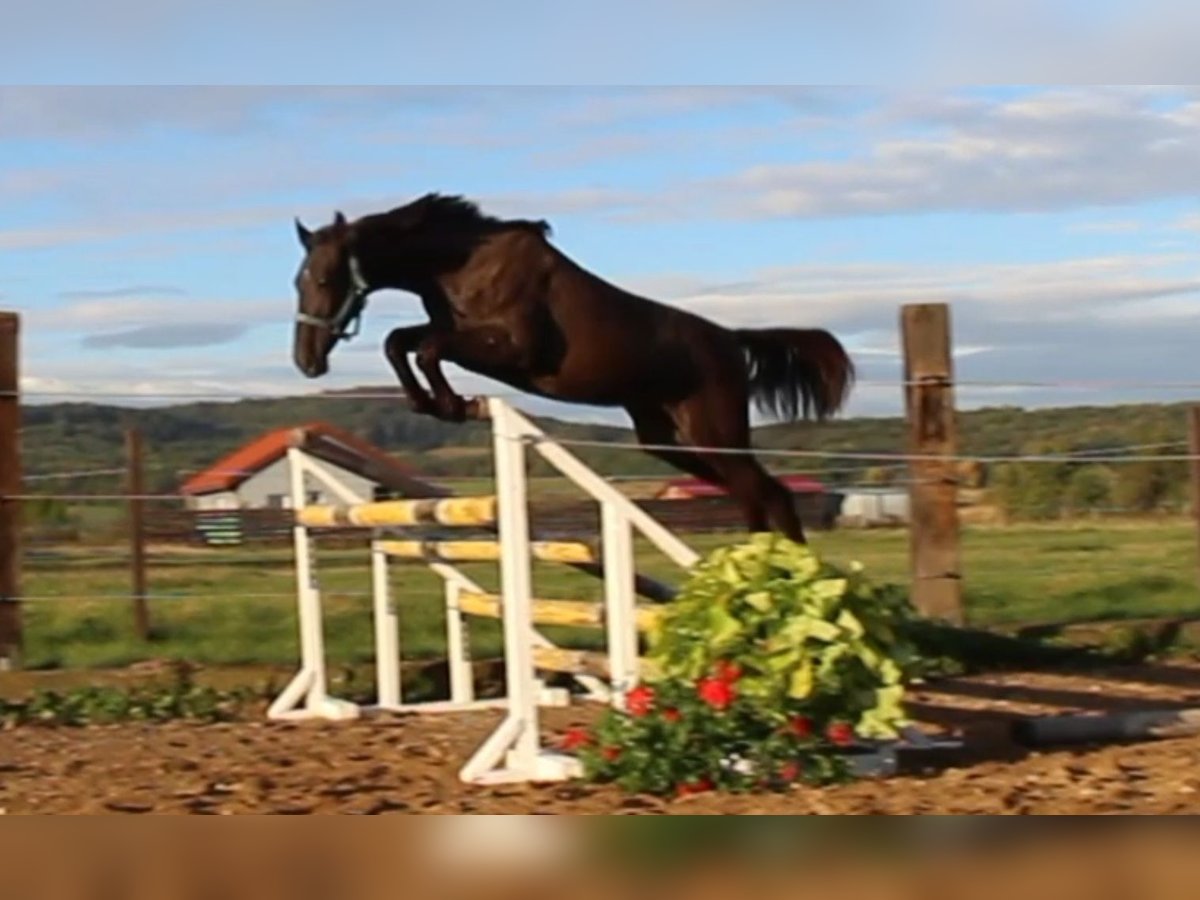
(513, 752)
(619, 601)
(458, 653)
(307, 697)
(387, 631)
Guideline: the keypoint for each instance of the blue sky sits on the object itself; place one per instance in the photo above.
(147, 232)
(609, 42)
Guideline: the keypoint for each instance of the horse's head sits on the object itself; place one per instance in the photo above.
(332, 293)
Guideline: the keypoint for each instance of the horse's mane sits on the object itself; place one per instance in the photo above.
(455, 211)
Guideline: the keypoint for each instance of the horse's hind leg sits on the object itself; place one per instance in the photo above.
(719, 418)
(654, 426)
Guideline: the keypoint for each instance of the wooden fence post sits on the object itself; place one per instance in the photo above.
(10, 486)
(932, 433)
(135, 486)
(1194, 468)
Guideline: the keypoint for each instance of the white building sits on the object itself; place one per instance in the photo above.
(255, 476)
(867, 507)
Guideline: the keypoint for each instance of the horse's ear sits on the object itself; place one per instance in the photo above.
(339, 221)
(304, 235)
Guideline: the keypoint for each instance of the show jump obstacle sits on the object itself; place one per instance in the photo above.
(513, 752)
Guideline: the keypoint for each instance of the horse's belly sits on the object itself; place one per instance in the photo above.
(606, 387)
(551, 386)
(596, 379)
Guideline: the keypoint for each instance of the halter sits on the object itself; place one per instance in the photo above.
(350, 315)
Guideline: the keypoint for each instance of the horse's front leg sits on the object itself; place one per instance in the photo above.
(486, 349)
(400, 343)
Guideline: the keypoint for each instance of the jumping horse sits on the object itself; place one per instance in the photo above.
(505, 303)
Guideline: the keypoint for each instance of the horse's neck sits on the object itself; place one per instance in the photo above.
(382, 269)
(377, 270)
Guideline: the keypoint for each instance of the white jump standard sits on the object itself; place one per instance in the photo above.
(513, 752)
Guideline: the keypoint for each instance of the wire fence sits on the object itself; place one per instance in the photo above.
(173, 596)
(1074, 573)
(854, 454)
(895, 460)
(886, 470)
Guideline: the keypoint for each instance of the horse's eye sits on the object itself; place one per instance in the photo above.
(322, 282)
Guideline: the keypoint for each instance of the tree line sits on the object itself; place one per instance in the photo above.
(184, 438)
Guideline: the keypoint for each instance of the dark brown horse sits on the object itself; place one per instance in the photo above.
(505, 303)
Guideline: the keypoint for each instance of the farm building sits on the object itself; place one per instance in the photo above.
(867, 507)
(694, 488)
(255, 476)
(816, 504)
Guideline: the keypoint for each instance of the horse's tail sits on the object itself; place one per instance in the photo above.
(796, 370)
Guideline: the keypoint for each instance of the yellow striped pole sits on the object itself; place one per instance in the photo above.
(454, 511)
(486, 551)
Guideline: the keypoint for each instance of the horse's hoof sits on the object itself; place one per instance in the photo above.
(476, 408)
(422, 406)
(454, 409)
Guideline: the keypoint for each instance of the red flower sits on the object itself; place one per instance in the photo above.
(573, 739)
(727, 671)
(716, 693)
(611, 754)
(672, 715)
(640, 700)
(800, 726)
(789, 771)
(840, 733)
(699, 786)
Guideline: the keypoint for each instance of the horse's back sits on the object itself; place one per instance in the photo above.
(630, 348)
(593, 341)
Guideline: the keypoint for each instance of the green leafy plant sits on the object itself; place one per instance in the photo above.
(765, 666)
(181, 699)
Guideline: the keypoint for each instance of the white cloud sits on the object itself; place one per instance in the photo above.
(1113, 320)
(1062, 289)
(1044, 150)
(1050, 150)
(104, 227)
(1190, 222)
(1106, 319)
(136, 310)
(137, 382)
(1119, 316)
(171, 336)
(651, 103)
(570, 201)
(393, 113)
(124, 292)
(142, 321)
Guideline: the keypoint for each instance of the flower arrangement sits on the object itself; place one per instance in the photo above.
(765, 668)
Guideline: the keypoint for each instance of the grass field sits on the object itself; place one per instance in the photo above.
(239, 607)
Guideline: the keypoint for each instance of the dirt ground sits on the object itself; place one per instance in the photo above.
(408, 764)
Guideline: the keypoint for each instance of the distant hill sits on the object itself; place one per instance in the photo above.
(190, 436)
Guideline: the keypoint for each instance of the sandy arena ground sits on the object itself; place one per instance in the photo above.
(408, 764)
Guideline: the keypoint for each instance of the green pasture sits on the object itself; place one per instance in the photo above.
(235, 606)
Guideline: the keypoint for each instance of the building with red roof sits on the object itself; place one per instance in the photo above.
(694, 488)
(816, 504)
(255, 475)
